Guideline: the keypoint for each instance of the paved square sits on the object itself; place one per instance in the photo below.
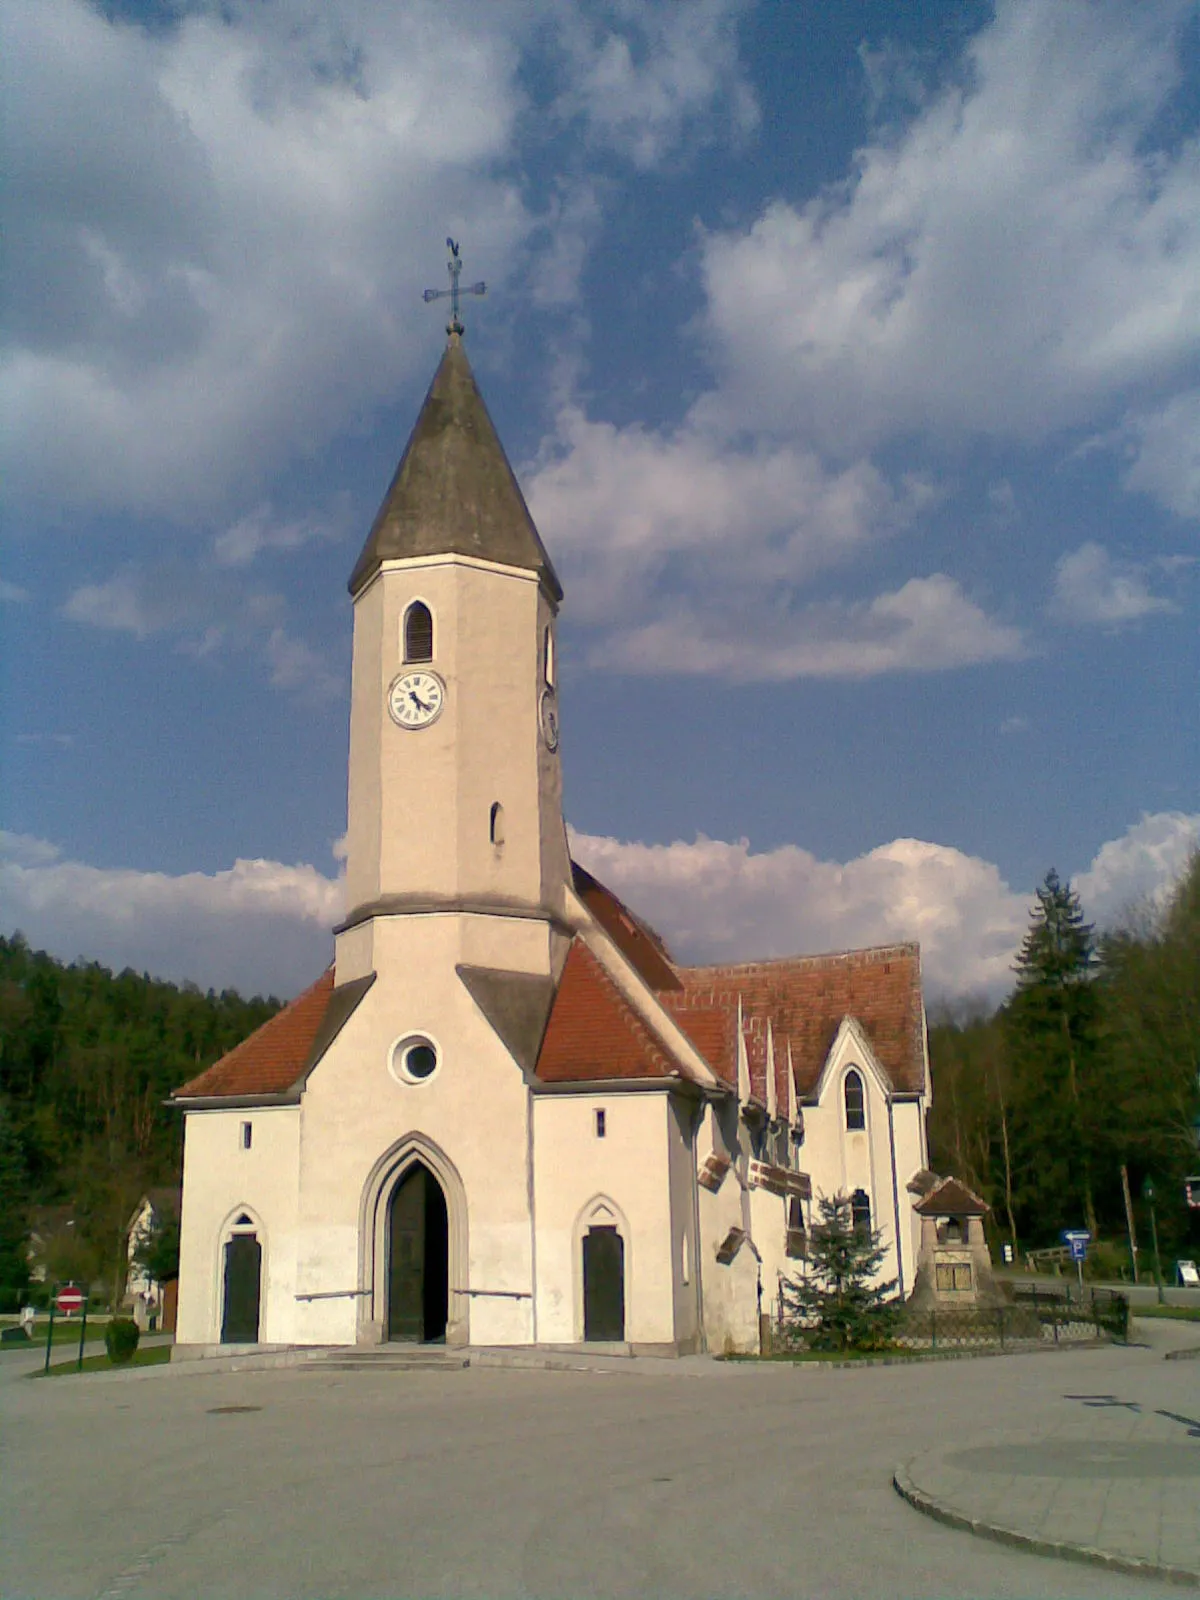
(671, 1478)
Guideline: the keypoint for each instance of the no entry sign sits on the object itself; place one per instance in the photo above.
(69, 1299)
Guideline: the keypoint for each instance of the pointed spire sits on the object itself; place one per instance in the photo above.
(454, 492)
(772, 1106)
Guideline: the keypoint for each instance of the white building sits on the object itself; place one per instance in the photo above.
(504, 1115)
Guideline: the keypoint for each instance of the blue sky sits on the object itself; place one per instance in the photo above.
(849, 356)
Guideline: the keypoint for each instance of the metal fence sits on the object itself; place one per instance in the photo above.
(1032, 1320)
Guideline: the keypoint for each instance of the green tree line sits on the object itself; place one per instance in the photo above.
(1091, 1065)
(87, 1060)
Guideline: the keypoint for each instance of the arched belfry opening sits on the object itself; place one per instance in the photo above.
(418, 632)
(418, 1257)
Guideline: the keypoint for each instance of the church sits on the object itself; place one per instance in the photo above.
(506, 1115)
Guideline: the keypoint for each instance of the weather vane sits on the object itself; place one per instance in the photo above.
(454, 268)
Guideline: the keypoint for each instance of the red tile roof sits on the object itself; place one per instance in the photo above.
(274, 1056)
(806, 998)
(593, 1032)
(635, 939)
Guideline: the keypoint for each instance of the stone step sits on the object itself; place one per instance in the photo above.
(397, 1358)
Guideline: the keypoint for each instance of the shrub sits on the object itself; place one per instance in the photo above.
(121, 1340)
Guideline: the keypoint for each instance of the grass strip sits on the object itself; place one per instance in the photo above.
(154, 1356)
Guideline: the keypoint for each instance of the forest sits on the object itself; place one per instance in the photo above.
(1091, 1065)
(87, 1060)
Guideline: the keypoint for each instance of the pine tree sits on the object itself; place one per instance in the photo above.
(14, 1213)
(837, 1305)
(1053, 1035)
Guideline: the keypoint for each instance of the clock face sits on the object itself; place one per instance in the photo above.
(415, 699)
(550, 719)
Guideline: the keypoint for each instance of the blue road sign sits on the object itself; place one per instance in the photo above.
(1078, 1249)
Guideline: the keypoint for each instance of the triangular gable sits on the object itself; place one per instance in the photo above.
(851, 1045)
(516, 1004)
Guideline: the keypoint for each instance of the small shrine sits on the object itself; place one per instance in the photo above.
(954, 1265)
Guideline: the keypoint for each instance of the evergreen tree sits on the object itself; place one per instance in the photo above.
(837, 1305)
(1052, 1028)
(158, 1251)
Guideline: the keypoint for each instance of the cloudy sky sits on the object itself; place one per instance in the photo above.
(849, 355)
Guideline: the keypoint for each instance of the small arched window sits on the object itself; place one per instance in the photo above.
(418, 632)
(855, 1110)
(496, 823)
(860, 1211)
(548, 664)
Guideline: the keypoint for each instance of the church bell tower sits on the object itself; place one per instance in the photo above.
(455, 790)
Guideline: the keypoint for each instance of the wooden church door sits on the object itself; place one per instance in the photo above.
(243, 1279)
(418, 1251)
(603, 1284)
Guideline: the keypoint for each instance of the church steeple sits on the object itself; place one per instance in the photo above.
(454, 492)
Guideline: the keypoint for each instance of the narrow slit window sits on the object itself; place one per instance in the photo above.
(601, 1125)
(247, 1135)
(496, 823)
(418, 632)
(856, 1116)
(860, 1211)
(548, 657)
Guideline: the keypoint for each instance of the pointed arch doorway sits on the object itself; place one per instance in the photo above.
(418, 1258)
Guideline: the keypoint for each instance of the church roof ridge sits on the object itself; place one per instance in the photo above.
(454, 492)
(867, 953)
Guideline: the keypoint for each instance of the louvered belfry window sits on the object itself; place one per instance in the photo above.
(418, 632)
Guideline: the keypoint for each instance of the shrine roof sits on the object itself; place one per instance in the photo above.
(952, 1198)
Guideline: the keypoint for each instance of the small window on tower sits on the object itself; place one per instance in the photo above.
(601, 1124)
(418, 632)
(548, 657)
(496, 824)
(247, 1132)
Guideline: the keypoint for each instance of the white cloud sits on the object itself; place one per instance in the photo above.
(928, 625)
(12, 593)
(688, 555)
(205, 610)
(1017, 723)
(265, 925)
(220, 226)
(261, 529)
(643, 74)
(1140, 867)
(1090, 586)
(717, 901)
(1019, 257)
(259, 926)
(1166, 461)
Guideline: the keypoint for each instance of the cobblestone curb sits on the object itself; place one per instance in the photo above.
(916, 1497)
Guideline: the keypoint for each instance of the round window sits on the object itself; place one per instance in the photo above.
(414, 1059)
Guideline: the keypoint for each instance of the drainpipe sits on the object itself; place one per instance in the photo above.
(895, 1199)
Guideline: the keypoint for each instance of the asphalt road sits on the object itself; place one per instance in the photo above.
(670, 1480)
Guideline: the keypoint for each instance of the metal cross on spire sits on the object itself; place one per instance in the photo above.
(454, 268)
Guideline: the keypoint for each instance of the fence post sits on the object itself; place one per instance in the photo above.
(1054, 1321)
(1000, 1314)
(933, 1330)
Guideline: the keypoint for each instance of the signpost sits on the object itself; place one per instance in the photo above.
(1149, 1195)
(69, 1299)
(1077, 1241)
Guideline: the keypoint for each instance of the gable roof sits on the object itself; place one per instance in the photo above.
(276, 1058)
(454, 492)
(952, 1198)
(805, 999)
(593, 1033)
